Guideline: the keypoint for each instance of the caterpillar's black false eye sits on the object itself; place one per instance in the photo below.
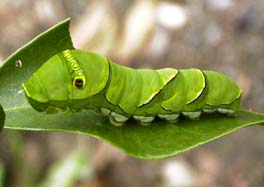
(78, 83)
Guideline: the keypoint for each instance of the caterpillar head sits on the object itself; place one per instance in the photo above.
(59, 81)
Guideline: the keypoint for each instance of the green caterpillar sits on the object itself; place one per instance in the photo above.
(74, 80)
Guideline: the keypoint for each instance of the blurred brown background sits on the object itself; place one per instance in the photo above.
(222, 35)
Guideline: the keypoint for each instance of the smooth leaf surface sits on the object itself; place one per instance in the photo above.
(160, 139)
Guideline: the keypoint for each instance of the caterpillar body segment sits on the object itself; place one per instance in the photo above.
(75, 80)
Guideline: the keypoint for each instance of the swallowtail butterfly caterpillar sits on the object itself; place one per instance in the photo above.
(74, 80)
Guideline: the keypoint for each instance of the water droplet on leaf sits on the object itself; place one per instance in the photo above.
(18, 63)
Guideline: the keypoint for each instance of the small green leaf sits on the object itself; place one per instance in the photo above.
(160, 139)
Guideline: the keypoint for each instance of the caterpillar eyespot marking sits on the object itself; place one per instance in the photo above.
(78, 77)
(78, 83)
(77, 80)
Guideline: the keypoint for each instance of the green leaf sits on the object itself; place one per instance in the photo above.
(160, 139)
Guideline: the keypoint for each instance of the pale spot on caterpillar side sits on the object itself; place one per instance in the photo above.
(209, 111)
(170, 117)
(192, 115)
(119, 118)
(105, 111)
(114, 122)
(143, 120)
(225, 111)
